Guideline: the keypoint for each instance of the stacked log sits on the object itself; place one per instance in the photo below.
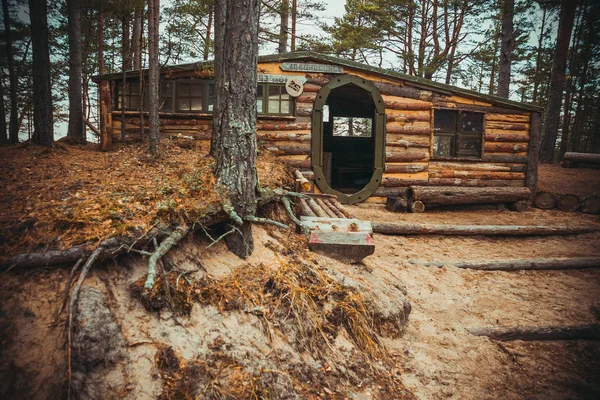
(322, 205)
(580, 158)
(567, 202)
(436, 195)
(591, 205)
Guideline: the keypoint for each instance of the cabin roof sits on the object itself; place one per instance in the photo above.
(313, 56)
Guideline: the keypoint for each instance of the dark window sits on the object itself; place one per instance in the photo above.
(273, 99)
(457, 134)
(128, 97)
(190, 96)
(166, 96)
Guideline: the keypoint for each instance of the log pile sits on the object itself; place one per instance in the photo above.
(322, 205)
(567, 202)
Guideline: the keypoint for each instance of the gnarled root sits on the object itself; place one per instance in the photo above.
(175, 237)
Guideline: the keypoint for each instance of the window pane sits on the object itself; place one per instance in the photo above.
(471, 122)
(183, 104)
(134, 102)
(196, 103)
(443, 146)
(273, 92)
(469, 146)
(273, 106)
(211, 96)
(444, 121)
(183, 90)
(197, 89)
(134, 88)
(259, 99)
(285, 107)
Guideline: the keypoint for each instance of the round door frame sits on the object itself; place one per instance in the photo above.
(317, 138)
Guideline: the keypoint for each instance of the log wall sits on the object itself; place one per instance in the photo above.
(409, 135)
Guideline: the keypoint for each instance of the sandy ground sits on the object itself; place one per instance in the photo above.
(441, 359)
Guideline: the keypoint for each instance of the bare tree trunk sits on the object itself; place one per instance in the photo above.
(234, 116)
(494, 64)
(140, 65)
(3, 132)
(43, 122)
(13, 135)
(154, 74)
(506, 47)
(75, 130)
(136, 37)
(211, 13)
(557, 81)
(100, 43)
(294, 9)
(538, 59)
(283, 26)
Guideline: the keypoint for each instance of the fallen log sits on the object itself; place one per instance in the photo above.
(518, 264)
(583, 158)
(329, 204)
(568, 202)
(323, 206)
(591, 205)
(316, 208)
(545, 201)
(395, 228)
(396, 204)
(305, 209)
(304, 183)
(507, 333)
(438, 195)
(416, 206)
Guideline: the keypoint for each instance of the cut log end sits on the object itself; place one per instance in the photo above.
(416, 206)
(545, 201)
(568, 202)
(591, 205)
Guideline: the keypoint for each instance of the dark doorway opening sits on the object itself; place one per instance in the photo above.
(348, 138)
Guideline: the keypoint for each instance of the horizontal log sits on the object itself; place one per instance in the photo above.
(306, 98)
(475, 182)
(508, 333)
(408, 129)
(311, 87)
(463, 166)
(509, 137)
(491, 147)
(304, 111)
(504, 126)
(395, 228)
(398, 182)
(297, 163)
(408, 144)
(406, 156)
(477, 174)
(584, 158)
(282, 126)
(382, 191)
(405, 168)
(396, 204)
(403, 91)
(408, 118)
(288, 150)
(438, 195)
(505, 158)
(507, 116)
(405, 105)
(544, 200)
(279, 136)
(568, 202)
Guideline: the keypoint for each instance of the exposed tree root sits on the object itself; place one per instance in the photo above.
(258, 220)
(178, 234)
(288, 208)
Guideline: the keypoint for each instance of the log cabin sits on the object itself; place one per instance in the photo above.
(356, 131)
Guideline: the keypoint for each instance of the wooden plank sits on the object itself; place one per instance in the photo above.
(416, 128)
(439, 195)
(476, 182)
(406, 156)
(337, 224)
(446, 165)
(411, 168)
(506, 137)
(512, 118)
(394, 228)
(491, 147)
(477, 174)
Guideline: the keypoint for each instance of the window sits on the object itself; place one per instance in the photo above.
(190, 96)
(129, 97)
(457, 134)
(166, 96)
(273, 99)
(352, 127)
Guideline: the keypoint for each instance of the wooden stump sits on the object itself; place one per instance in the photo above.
(568, 202)
(416, 206)
(545, 201)
(591, 205)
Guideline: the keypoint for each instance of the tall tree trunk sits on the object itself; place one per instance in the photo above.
(136, 37)
(506, 47)
(538, 60)
(43, 123)
(126, 42)
(283, 26)
(100, 43)
(211, 13)
(3, 132)
(234, 116)
(154, 74)
(140, 68)
(294, 13)
(13, 135)
(75, 130)
(494, 63)
(557, 80)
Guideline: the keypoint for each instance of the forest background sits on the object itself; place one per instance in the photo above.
(459, 42)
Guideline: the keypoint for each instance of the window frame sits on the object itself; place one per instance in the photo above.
(127, 96)
(265, 99)
(204, 83)
(457, 134)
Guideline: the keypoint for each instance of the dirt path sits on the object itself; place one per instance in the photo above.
(441, 359)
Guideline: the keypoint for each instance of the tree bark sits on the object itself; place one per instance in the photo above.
(535, 140)
(13, 133)
(75, 130)
(293, 38)
(393, 228)
(43, 121)
(100, 43)
(557, 80)
(153, 75)
(234, 116)
(283, 26)
(506, 47)
(136, 37)
(3, 131)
